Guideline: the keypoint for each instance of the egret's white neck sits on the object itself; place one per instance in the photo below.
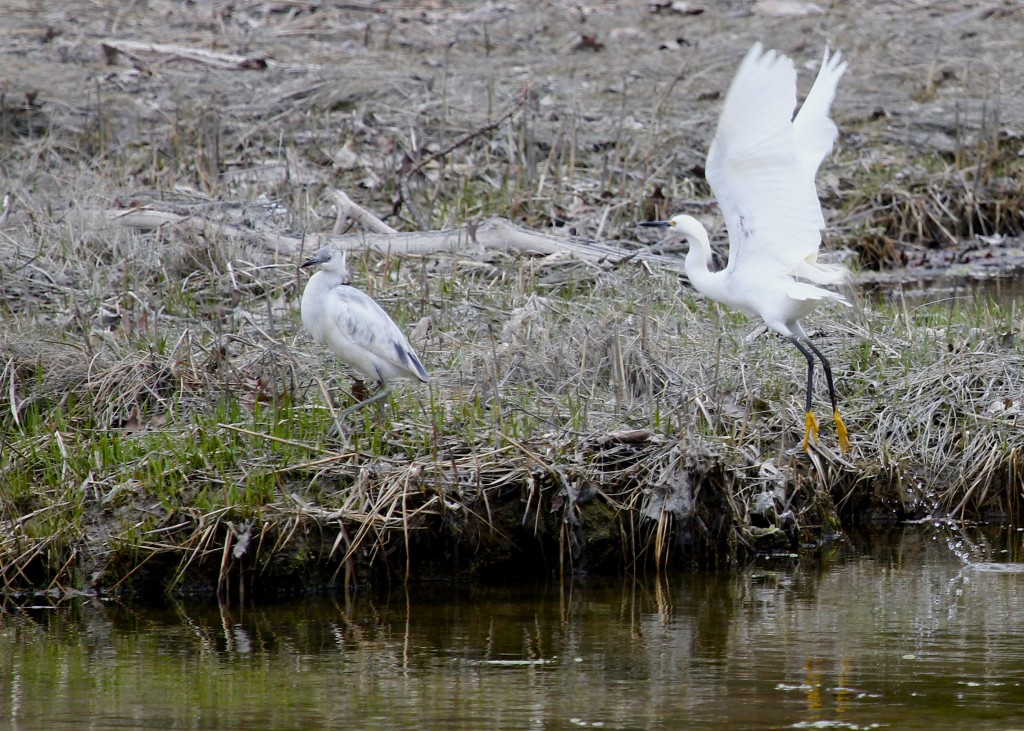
(698, 259)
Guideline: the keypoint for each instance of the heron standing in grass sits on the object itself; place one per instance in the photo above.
(355, 328)
(761, 166)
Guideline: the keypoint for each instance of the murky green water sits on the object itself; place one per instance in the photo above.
(900, 634)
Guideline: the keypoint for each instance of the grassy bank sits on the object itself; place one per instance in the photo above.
(578, 419)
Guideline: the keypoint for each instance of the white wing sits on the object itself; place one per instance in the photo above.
(358, 327)
(813, 131)
(758, 168)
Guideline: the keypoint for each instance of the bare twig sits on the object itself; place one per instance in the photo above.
(470, 136)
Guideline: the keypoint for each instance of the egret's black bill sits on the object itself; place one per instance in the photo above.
(655, 224)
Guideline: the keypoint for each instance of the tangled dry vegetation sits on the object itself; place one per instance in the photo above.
(163, 419)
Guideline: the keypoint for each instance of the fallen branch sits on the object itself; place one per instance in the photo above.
(8, 205)
(496, 234)
(112, 46)
(348, 208)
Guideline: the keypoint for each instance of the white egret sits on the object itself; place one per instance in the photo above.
(355, 328)
(761, 166)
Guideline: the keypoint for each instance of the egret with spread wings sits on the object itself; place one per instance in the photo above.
(761, 167)
(355, 328)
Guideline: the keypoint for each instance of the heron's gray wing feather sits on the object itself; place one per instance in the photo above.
(365, 324)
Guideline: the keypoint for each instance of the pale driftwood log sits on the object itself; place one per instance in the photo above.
(112, 46)
(348, 208)
(496, 234)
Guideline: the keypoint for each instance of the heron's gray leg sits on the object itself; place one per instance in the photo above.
(336, 429)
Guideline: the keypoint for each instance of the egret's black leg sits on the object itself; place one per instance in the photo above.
(810, 367)
(828, 374)
(841, 433)
(810, 422)
(844, 437)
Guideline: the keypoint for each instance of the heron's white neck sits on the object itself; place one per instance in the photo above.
(333, 277)
(322, 282)
(337, 270)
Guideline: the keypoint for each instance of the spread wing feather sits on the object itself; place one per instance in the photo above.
(761, 164)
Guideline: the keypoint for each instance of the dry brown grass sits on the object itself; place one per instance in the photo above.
(938, 204)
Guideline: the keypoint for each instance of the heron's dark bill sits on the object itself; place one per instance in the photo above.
(656, 224)
(311, 262)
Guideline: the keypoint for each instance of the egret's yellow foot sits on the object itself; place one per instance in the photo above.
(844, 437)
(811, 427)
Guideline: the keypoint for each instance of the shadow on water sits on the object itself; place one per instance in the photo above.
(909, 628)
